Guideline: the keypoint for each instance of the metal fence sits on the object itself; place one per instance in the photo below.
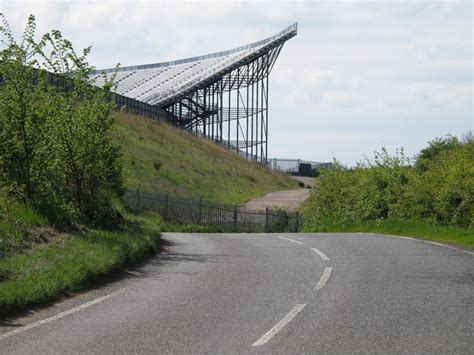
(124, 103)
(292, 166)
(141, 108)
(201, 212)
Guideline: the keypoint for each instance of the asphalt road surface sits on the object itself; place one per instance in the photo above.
(286, 293)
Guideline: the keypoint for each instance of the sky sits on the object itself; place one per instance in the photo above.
(357, 77)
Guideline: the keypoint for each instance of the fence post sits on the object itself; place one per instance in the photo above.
(297, 222)
(266, 219)
(138, 200)
(200, 211)
(235, 219)
(166, 206)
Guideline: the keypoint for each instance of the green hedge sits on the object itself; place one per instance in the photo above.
(438, 188)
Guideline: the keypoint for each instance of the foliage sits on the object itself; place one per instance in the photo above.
(15, 220)
(55, 151)
(444, 192)
(439, 188)
(435, 147)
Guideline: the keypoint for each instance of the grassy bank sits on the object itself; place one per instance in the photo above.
(418, 229)
(159, 157)
(58, 263)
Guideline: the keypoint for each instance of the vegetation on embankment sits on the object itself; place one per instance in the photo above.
(42, 264)
(159, 157)
(431, 197)
(62, 222)
(56, 153)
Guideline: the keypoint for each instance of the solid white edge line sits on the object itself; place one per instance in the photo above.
(55, 317)
(423, 241)
(320, 253)
(324, 278)
(291, 240)
(279, 326)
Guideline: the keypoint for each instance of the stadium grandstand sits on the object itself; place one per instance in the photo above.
(222, 96)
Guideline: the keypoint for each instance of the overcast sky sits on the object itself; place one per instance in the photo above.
(358, 76)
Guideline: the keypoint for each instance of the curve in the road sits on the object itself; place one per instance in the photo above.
(225, 293)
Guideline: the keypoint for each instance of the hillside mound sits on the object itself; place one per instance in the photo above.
(162, 158)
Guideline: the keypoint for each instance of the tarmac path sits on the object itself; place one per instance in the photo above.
(289, 199)
(286, 293)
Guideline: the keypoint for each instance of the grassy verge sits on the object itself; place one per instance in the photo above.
(192, 228)
(159, 157)
(70, 262)
(418, 229)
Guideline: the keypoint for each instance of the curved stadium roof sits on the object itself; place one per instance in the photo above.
(161, 83)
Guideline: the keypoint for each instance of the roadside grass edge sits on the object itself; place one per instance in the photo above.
(44, 274)
(450, 235)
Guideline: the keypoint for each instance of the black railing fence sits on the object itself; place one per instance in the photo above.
(228, 217)
(62, 83)
(141, 108)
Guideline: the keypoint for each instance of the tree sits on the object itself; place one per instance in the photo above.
(21, 123)
(58, 153)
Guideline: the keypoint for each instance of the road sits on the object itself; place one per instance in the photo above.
(286, 293)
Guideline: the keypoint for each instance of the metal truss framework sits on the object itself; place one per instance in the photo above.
(222, 96)
(232, 110)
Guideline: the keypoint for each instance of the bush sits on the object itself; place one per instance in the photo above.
(55, 150)
(439, 188)
(444, 192)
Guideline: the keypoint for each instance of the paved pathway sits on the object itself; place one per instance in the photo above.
(290, 199)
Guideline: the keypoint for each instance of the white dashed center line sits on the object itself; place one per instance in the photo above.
(291, 240)
(320, 253)
(324, 278)
(279, 326)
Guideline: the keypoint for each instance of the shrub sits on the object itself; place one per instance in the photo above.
(439, 189)
(444, 192)
(55, 152)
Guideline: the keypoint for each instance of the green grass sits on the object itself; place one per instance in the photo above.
(159, 157)
(16, 220)
(418, 229)
(43, 273)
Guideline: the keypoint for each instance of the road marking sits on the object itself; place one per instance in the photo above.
(320, 253)
(425, 241)
(279, 326)
(56, 317)
(441, 245)
(408, 238)
(324, 278)
(291, 240)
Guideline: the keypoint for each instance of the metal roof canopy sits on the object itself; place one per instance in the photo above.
(192, 90)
